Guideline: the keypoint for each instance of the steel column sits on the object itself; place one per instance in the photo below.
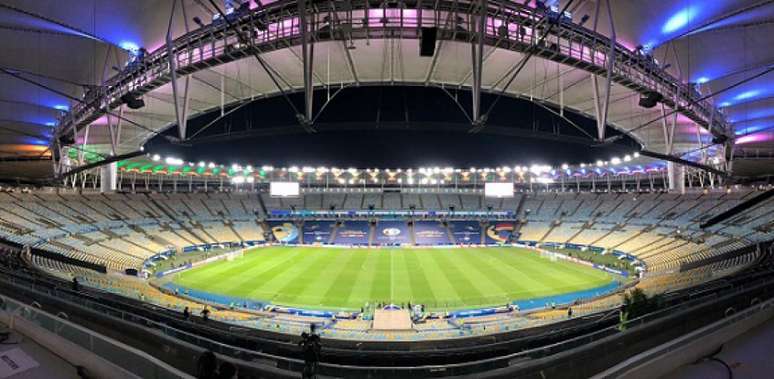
(307, 52)
(477, 61)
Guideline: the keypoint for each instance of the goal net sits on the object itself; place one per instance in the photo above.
(548, 255)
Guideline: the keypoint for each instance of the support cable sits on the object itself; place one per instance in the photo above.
(255, 53)
(520, 66)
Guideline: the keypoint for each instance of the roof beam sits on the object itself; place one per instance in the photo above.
(343, 39)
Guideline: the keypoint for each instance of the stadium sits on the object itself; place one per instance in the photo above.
(386, 189)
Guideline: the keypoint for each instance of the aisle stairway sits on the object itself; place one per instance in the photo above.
(231, 226)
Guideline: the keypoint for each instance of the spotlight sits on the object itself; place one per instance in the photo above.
(583, 19)
(650, 99)
(132, 101)
(198, 21)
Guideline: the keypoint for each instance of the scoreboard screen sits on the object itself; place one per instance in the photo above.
(498, 190)
(284, 189)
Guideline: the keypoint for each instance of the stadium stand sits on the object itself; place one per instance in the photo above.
(123, 231)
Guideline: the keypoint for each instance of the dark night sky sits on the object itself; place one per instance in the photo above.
(389, 148)
(388, 127)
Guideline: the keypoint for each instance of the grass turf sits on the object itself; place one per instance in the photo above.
(340, 278)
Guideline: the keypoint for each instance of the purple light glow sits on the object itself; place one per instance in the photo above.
(747, 94)
(680, 19)
(752, 138)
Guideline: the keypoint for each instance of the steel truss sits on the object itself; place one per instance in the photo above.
(508, 25)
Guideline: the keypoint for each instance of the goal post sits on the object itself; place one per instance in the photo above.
(234, 255)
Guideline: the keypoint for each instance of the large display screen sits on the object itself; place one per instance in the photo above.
(498, 189)
(284, 189)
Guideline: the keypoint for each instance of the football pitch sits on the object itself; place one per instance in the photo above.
(341, 278)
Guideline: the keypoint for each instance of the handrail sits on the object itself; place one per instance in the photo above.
(662, 350)
(278, 22)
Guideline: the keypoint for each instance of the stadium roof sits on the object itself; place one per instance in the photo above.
(54, 50)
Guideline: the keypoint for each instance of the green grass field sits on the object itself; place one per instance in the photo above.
(339, 278)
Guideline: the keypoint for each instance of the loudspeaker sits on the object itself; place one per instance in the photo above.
(502, 31)
(131, 271)
(427, 42)
(132, 102)
(650, 99)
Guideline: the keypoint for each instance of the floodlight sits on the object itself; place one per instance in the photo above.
(544, 180)
(615, 160)
(173, 161)
(565, 166)
(156, 157)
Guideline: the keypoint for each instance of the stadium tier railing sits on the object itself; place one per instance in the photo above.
(700, 301)
(132, 360)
